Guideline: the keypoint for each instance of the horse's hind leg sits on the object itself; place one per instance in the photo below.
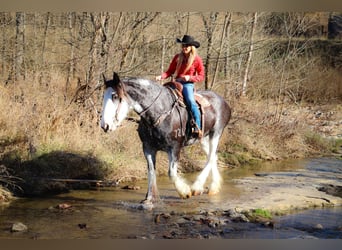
(209, 145)
(197, 186)
(182, 188)
(216, 180)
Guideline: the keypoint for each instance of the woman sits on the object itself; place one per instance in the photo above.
(187, 67)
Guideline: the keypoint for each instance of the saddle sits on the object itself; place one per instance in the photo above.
(202, 102)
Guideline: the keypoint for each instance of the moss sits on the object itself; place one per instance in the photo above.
(259, 215)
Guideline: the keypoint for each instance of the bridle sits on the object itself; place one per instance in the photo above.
(149, 106)
(122, 94)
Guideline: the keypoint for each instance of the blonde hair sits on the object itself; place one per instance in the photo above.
(181, 58)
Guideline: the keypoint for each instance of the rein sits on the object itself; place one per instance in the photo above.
(164, 115)
(122, 93)
(148, 108)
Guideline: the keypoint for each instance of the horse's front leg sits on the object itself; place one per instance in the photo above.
(182, 188)
(152, 190)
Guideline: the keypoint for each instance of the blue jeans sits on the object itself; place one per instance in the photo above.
(189, 96)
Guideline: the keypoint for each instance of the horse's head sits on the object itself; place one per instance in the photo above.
(115, 104)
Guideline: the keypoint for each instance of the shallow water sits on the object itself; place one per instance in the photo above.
(106, 213)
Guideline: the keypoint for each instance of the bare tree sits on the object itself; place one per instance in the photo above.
(3, 22)
(71, 66)
(97, 52)
(116, 27)
(46, 27)
(133, 30)
(19, 64)
(250, 52)
(226, 22)
(209, 25)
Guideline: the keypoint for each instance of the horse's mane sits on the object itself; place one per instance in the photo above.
(116, 84)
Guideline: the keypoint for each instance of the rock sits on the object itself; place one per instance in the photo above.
(131, 187)
(19, 227)
(331, 189)
(318, 226)
(63, 206)
(82, 225)
(261, 174)
(235, 216)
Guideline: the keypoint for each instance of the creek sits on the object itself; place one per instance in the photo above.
(113, 212)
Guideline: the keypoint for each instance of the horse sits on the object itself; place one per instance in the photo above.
(163, 126)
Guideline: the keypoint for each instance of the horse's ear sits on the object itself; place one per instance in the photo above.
(116, 78)
(104, 78)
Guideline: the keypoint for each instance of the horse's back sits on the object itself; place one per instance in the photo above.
(219, 105)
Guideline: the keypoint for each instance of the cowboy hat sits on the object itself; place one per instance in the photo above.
(188, 40)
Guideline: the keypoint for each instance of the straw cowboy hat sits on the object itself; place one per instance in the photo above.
(188, 40)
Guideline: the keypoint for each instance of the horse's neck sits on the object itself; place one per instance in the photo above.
(154, 100)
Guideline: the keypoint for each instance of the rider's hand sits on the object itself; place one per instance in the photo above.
(186, 78)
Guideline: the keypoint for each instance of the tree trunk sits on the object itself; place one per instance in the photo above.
(226, 22)
(3, 42)
(71, 66)
(209, 24)
(96, 52)
(227, 54)
(47, 24)
(19, 63)
(249, 57)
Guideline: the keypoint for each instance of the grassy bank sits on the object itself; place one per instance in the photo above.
(45, 136)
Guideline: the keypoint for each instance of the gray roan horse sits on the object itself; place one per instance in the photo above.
(162, 127)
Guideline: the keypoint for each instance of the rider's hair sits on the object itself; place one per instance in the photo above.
(189, 62)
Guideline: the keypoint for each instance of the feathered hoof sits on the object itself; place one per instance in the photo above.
(146, 205)
(213, 191)
(197, 192)
(183, 189)
(185, 195)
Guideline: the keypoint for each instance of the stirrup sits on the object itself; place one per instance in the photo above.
(197, 131)
(200, 133)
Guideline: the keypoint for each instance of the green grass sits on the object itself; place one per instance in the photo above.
(259, 215)
(262, 213)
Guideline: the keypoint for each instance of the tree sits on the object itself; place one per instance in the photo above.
(19, 64)
(97, 52)
(209, 25)
(226, 23)
(250, 52)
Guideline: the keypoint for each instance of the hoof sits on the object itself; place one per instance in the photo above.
(197, 192)
(146, 205)
(213, 192)
(185, 196)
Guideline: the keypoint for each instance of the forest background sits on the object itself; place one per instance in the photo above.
(279, 71)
